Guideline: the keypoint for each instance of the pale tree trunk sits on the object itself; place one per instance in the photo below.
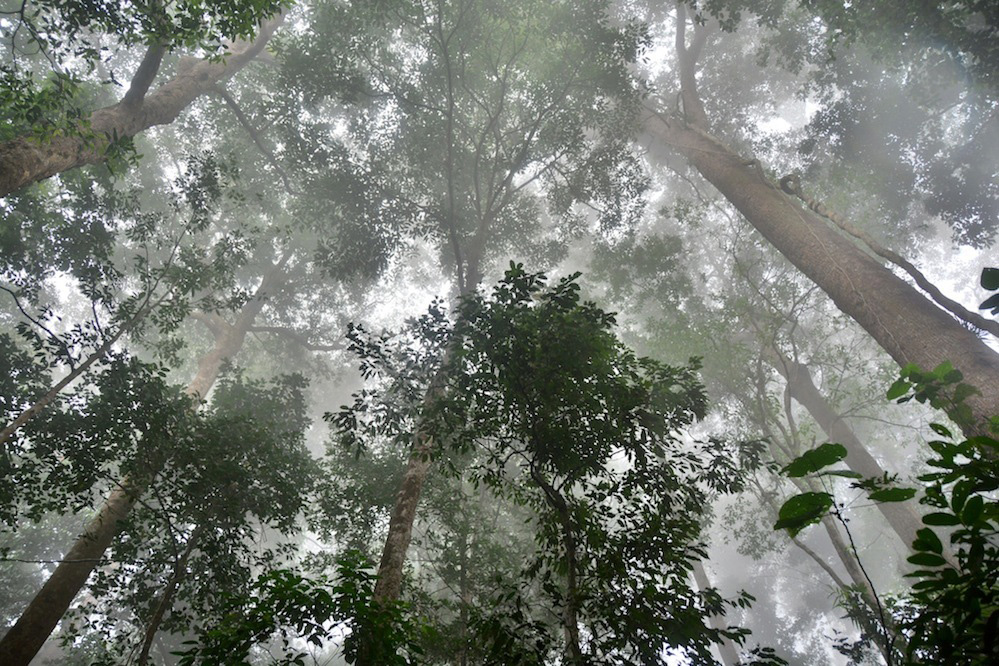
(788, 446)
(901, 516)
(23, 641)
(27, 160)
(903, 322)
(726, 648)
(388, 584)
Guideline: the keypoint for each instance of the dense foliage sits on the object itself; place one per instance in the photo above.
(221, 220)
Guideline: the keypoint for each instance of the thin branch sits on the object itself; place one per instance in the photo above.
(254, 135)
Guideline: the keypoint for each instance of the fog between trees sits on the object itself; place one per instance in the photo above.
(524, 332)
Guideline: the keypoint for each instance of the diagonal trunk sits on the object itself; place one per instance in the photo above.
(906, 325)
(26, 160)
(901, 516)
(23, 641)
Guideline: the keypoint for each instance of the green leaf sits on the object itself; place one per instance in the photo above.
(927, 560)
(803, 510)
(963, 392)
(898, 389)
(973, 510)
(942, 370)
(959, 494)
(990, 278)
(929, 540)
(814, 460)
(893, 494)
(941, 519)
(990, 302)
(941, 430)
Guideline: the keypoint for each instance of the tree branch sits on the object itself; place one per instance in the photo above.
(255, 135)
(144, 76)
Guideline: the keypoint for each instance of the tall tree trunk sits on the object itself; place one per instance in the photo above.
(23, 641)
(726, 648)
(26, 160)
(901, 516)
(570, 615)
(906, 324)
(388, 584)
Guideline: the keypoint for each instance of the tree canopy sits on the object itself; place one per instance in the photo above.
(470, 332)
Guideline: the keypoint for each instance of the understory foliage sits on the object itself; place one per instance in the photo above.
(951, 614)
(539, 406)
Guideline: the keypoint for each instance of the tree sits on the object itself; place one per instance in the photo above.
(33, 151)
(906, 325)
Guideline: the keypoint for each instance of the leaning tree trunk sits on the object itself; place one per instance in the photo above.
(23, 641)
(906, 324)
(27, 160)
(901, 516)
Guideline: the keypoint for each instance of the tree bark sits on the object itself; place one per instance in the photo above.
(570, 616)
(23, 641)
(26, 160)
(903, 322)
(901, 516)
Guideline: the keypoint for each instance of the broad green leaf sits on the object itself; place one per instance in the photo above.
(928, 540)
(941, 518)
(898, 389)
(940, 430)
(984, 441)
(943, 370)
(990, 278)
(926, 560)
(990, 302)
(973, 510)
(959, 494)
(964, 391)
(803, 510)
(814, 460)
(893, 494)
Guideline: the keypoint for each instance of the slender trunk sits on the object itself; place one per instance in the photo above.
(906, 325)
(22, 642)
(901, 516)
(726, 648)
(400, 532)
(571, 613)
(388, 584)
(26, 160)
(166, 600)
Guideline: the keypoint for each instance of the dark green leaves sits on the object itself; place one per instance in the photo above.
(990, 281)
(893, 494)
(814, 460)
(803, 510)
